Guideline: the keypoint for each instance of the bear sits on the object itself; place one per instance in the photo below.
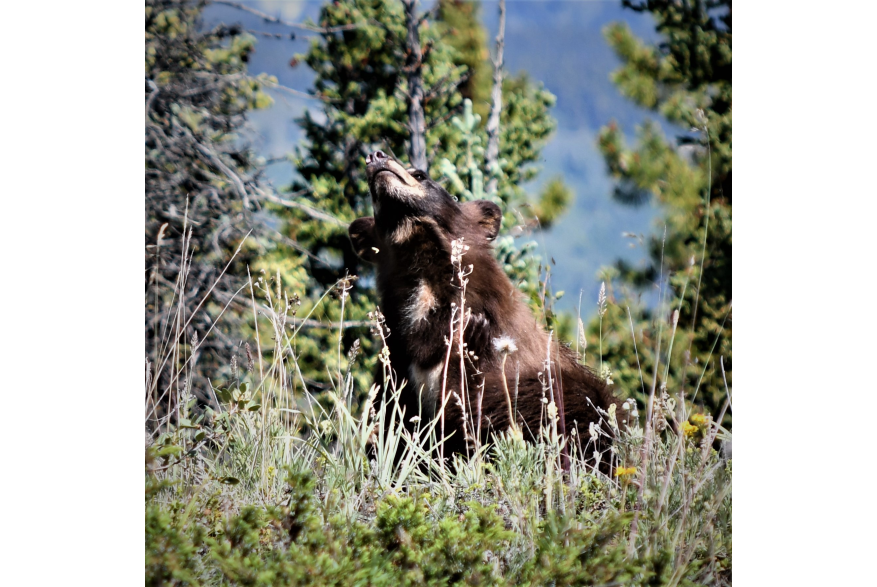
(424, 244)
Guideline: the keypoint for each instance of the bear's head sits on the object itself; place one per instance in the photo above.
(410, 208)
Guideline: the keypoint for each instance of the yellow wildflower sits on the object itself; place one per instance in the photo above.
(622, 471)
(689, 429)
(698, 420)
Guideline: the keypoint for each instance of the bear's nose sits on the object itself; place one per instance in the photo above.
(372, 157)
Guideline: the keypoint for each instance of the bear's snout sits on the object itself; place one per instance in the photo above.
(375, 156)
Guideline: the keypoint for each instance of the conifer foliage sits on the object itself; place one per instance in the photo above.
(201, 191)
(362, 82)
(686, 78)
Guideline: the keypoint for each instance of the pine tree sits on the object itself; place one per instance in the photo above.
(201, 192)
(361, 80)
(687, 79)
(466, 35)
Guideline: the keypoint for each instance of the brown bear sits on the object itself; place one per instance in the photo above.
(421, 239)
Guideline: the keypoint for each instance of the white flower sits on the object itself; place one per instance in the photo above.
(612, 421)
(415, 420)
(592, 430)
(505, 345)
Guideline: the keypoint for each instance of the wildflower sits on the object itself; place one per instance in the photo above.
(572, 432)
(504, 345)
(625, 471)
(592, 430)
(415, 419)
(688, 429)
(613, 421)
(698, 420)
(552, 411)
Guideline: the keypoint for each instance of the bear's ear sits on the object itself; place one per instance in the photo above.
(488, 215)
(365, 241)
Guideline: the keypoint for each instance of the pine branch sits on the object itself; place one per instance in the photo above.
(491, 153)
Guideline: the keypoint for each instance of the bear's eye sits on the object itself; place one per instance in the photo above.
(418, 175)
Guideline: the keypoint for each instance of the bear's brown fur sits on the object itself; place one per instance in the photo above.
(410, 240)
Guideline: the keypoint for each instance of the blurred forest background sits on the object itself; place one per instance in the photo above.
(613, 169)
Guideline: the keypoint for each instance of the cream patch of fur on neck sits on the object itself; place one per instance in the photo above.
(403, 232)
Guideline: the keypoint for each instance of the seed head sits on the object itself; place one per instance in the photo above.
(505, 345)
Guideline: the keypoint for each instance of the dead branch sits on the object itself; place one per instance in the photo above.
(153, 92)
(231, 175)
(414, 69)
(491, 153)
(296, 25)
(312, 212)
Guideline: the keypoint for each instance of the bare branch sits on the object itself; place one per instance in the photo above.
(282, 238)
(298, 93)
(153, 92)
(235, 179)
(296, 25)
(491, 153)
(279, 36)
(292, 320)
(312, 212)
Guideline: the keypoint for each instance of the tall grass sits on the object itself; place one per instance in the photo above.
(269, 484)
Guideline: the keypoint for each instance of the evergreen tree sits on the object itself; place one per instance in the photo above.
(465, 34)
(360, 78)
(201, 184)
(687, 79)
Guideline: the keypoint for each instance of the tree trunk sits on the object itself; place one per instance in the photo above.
(491, 154)
(414, 69)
